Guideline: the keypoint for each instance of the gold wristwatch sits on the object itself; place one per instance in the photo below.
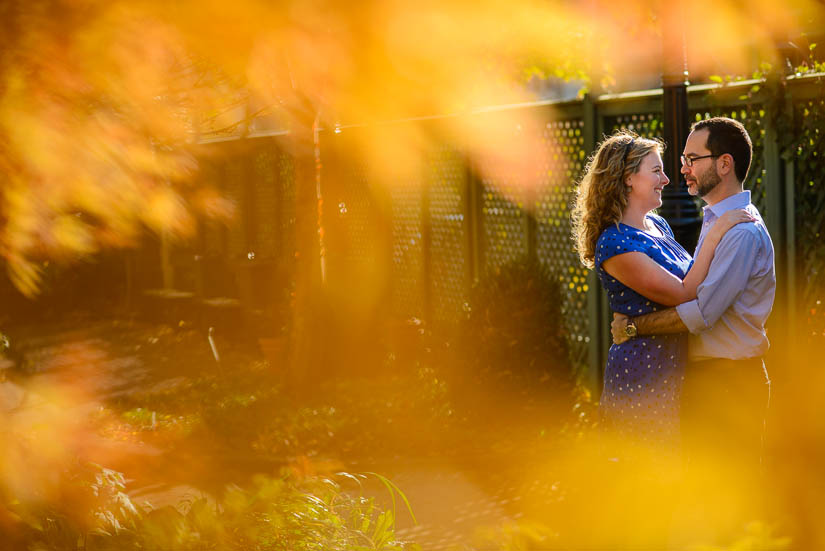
(630, 329)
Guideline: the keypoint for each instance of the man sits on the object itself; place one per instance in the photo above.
(726, 386)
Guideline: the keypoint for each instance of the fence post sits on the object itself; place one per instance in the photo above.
(426, 249)
(472, 222)
(280, 244)
(595, 316)
(790, 235)
(775, 212)
(166, 269)
(531, 225)
(247, 173)
(528, 195)
(775, 208)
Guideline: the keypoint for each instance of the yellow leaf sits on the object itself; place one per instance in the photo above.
(72, 236)
(25, 275)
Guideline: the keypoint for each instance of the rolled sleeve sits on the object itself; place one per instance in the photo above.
(691, 316)
(727, 278)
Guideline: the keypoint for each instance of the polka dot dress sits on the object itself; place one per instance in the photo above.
(643, 376)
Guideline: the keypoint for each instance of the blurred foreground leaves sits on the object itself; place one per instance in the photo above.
(103, 103)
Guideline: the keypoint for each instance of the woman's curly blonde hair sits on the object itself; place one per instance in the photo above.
(601, 196)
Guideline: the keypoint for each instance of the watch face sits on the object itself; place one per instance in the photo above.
(630, 330)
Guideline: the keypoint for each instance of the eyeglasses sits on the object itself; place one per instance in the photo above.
(688, 161)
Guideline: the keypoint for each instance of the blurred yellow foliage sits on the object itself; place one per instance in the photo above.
(102, 103)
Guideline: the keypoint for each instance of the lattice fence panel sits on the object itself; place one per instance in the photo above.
(348, 212)
(408, 283)
(554, 246)
(286, 179)
(214, 263)
(214, 231)
(809, 165)
(354, 205)
(753, 118)
(447, 177)
(503, 218)
(646, 125)
(265, 201)
(234, 184)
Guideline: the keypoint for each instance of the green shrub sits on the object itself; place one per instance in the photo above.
(513, 340)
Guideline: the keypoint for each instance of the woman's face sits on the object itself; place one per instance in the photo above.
(647, 184)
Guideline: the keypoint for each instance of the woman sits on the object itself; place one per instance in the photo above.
(643, 269)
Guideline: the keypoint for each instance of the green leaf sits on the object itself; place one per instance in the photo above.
(393, 490)
(383, 532)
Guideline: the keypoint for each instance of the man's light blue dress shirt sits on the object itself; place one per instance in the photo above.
(727, 318)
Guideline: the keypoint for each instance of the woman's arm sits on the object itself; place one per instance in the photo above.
(650, 279)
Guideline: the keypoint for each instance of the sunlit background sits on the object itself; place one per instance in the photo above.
(336, 235)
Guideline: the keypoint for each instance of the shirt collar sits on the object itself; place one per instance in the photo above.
(738, 201)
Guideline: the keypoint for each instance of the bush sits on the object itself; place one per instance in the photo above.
(513, 341)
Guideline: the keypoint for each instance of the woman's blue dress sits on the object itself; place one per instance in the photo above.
(643, 376)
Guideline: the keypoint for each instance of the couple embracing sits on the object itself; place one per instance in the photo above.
(686, 367)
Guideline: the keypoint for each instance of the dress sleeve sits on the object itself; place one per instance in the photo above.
(615, 241)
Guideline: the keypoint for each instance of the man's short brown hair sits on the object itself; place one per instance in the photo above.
(728, 136)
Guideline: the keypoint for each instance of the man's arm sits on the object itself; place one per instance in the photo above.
(727, 278)
(654, 323)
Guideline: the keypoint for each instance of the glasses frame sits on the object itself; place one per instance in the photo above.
(688, 161)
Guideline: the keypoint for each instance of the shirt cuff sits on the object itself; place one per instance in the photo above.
(691, 316)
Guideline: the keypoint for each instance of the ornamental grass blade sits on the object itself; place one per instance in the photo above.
(393, 489)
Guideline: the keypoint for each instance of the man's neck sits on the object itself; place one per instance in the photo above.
(722, 192)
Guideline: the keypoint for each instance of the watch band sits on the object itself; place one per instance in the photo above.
(630, 328)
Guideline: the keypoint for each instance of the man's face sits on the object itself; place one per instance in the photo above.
(702, 177)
